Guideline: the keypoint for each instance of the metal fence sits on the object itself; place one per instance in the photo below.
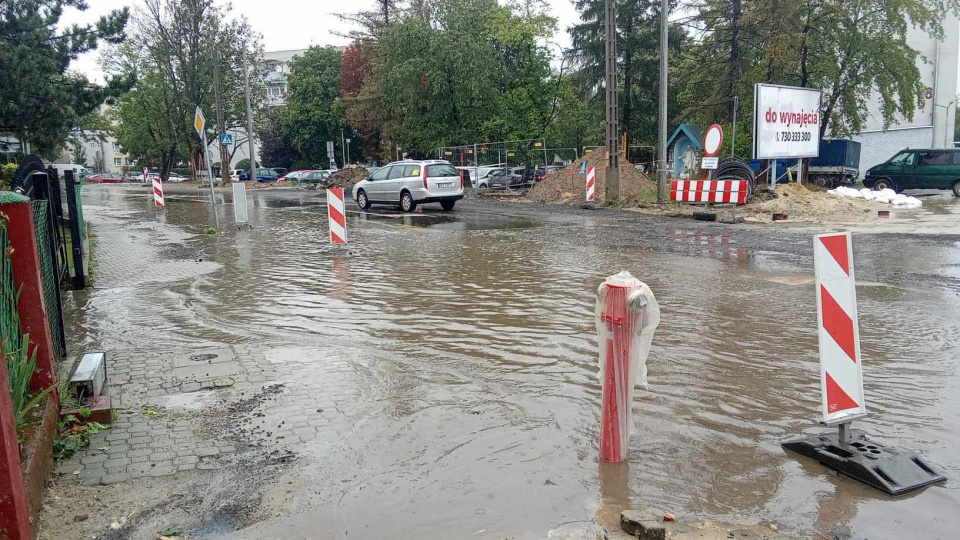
(49, 275)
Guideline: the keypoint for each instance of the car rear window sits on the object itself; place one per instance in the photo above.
(442, 169)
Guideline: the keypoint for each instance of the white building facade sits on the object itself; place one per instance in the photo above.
(932, 126)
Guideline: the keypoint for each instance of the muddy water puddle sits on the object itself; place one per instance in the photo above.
(470, 354)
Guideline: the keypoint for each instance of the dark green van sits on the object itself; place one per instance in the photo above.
(918, 169)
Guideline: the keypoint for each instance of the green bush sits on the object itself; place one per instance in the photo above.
(6, 174)
(243, 164)
(20, 367)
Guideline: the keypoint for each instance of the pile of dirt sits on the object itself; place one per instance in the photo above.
(347, 178)
(568, 186)
(803, 204)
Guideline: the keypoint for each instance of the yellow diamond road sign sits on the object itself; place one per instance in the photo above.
(199, 122)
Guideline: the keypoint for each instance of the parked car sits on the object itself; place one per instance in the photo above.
(293, 176)
(263, 175)
(318, 177)
(409, 183)
(918, 169)
(498, 179)
(78, 170)
(235, 175)
(174, 177)
(280, 170)
(520, 178)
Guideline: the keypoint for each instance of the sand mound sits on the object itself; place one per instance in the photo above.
(347, 178)
(800, 203)
(568, 185)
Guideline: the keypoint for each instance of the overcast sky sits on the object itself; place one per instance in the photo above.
(285, 24)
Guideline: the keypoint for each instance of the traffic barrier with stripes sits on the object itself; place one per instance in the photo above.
(709, 191)
(841, 377)
(157, 191)
(337, 215)
(591, 184)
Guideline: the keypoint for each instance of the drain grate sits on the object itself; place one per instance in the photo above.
(203, 357)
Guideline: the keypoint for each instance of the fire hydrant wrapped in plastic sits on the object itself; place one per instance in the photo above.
(627, 315)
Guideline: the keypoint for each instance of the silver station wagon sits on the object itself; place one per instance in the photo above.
(409, 183)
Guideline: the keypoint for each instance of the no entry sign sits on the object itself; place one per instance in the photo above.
(712, 140)
(841, 377)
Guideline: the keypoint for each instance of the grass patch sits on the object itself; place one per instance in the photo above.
(211, 230)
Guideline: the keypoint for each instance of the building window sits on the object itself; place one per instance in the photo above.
(117, 162)
(116, 146)
(129, 163)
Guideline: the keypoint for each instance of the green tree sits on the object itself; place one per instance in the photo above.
(171, 49)
(638, 61)
(314, 114)
(856, 51)
(276, 148)
(40, 101)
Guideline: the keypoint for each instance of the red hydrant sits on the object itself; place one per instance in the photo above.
(627, 315)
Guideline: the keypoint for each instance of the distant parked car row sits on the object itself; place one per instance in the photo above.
(317, 177)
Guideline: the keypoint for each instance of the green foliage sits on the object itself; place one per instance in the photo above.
(460, 71)
(170, 49)
(276, 147)
(35, 53)
(7, 171)
(243, 164)
(638, 63)
(856, 51)
(313, 113)
(75, 434)
(21, 364)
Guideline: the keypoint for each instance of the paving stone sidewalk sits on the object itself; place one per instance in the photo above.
(206, 407)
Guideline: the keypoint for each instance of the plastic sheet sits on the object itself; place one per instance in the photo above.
(627, 315)
(887, 196)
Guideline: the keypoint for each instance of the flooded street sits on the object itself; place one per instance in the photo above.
(459, 353)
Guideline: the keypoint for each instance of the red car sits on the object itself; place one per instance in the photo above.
(105, 178)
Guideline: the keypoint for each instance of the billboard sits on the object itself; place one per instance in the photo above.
(786, 122)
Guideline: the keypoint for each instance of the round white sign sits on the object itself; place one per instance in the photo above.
(712, 140)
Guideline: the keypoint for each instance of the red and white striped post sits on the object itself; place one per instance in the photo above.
(337, 216)
(841, 376)
(157, 190)
(591, 184)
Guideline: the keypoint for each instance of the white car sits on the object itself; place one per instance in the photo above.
(174, 177)
(235, 174)
(409, 183)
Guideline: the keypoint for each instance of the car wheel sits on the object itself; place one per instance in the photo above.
(823, 181)
(406, 202)
(448, 205)
(483, 186)
(956, 188)
(882, 184)
(362, 200)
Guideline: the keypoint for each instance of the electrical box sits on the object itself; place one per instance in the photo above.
(91, 374)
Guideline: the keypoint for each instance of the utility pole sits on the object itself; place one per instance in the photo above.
(343, 145)
(662, 161)
(612, 177)
(221, 122)
(246, 89)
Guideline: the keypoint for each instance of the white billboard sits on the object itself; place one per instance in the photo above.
(786, 122)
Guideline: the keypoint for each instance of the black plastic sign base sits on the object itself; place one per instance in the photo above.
(892, 471)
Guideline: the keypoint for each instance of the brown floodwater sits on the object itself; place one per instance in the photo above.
(472, 358)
